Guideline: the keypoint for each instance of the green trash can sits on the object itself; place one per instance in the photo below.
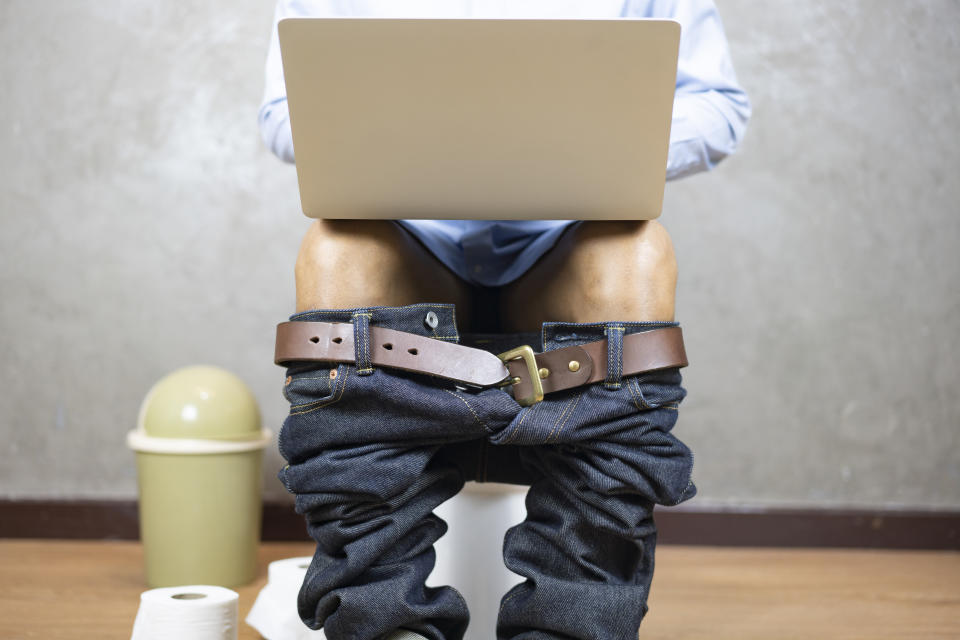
(199, 447)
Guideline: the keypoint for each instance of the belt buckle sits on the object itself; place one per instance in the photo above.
(525, 352)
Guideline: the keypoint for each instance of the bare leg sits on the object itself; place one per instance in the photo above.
(600, 271)
(356, 263)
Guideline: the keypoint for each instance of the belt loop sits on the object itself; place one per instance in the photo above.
(614, 333)
(361, 342)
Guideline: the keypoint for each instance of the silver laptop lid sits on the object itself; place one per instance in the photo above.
(478, 118)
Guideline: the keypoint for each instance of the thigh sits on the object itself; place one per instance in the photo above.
(358, 263)
(599, 271)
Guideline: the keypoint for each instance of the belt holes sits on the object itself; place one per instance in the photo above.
(412, 351)
(338, 339)
(388, 346)
(315, 339)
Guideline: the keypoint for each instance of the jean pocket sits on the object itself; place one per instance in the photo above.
(312, 385)
(656, 389)
(308, 387)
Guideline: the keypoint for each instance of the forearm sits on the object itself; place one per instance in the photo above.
(707, 127)
(274, 120)
(274, 116)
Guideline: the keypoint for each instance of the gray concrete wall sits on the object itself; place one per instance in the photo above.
(144, 228)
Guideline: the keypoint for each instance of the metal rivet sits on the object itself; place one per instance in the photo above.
(431, 320)
(333, 373)
(544, 372)
(515, 380)
(573, 365)
(288, 380)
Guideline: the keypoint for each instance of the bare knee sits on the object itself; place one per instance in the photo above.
(653, 252)
(358, 263)
(628, 269)
(353, 263)
(636, 244)
(623, 270)
(351, 248)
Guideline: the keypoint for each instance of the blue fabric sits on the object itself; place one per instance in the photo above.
(709, 115)
(371, 456)
(490, 253)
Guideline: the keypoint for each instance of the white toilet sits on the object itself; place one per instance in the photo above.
(469, 558)
(470, 554)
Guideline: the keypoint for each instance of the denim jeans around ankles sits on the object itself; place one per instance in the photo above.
(373, 451)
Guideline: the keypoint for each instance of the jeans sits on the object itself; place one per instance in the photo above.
(373, 451)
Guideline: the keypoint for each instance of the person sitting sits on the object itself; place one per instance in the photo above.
(371, 451)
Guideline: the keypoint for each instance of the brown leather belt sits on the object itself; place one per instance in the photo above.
(530, 374)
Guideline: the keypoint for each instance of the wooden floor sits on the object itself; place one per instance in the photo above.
(80, 590)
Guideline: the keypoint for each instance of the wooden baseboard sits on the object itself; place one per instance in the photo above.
(875, 529)
(845, 528)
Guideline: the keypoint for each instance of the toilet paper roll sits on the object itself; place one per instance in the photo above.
(194, 612)
(274, 614)
(288, 573)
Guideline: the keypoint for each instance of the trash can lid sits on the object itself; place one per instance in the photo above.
(200, 402)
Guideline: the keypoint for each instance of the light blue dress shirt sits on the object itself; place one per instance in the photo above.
(710, 113)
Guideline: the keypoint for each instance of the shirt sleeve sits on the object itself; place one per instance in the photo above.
(710, 109)
(274, 116)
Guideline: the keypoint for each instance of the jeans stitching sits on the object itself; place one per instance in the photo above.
(616, 365)
(638, 397)
(576, 401)
(513, 434)
(464, 401)
(509, 598)
(313, 402)
(286, 389)
(624, 323)
(326, 377)
(336, 398)
(453, 316)
(364, 347)
(567, 407)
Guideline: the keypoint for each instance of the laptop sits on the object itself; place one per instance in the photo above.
(479, 118)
